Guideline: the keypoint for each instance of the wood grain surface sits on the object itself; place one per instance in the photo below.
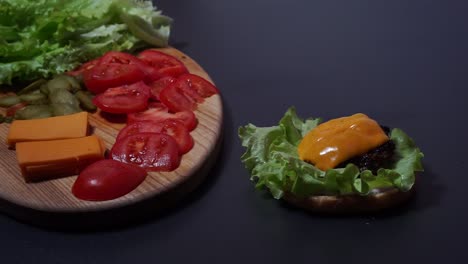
(55, 196)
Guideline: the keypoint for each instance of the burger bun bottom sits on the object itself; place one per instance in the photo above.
(377, 200)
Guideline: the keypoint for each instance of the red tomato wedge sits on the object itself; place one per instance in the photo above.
(174, 128)
(160, 114)
(151, 151)
(186, 93)
(104, 76)
(160, 84)
(124, 99)
(165, 64)
(106, 180)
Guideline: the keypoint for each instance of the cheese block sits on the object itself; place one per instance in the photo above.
(49, 159)
(51, 128)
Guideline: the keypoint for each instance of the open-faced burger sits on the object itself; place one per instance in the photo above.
(347, 164)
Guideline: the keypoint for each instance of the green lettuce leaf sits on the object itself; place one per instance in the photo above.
(42, 38)
(273, 163)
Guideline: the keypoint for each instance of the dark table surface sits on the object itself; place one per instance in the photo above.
(404, 63)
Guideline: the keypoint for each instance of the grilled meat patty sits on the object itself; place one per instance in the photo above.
(379, 157)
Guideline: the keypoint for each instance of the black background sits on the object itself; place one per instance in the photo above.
(404, 63)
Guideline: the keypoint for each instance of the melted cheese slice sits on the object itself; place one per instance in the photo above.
(59, 127)
(338, 140)
(41, 160)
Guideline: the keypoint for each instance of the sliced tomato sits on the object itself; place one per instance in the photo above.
(107, 179)
(124, 99)
(172, 127)
(166, 65)
(160, 114)
(186, 93)
(158, 105)
(177, 130)
(151, 151)
(151, 74)
(84, 67)
(178, 99)
(203, 87)
(160, 84)
(104, 76)
(120, 57)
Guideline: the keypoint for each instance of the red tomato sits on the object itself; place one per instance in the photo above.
(106, 180)
(124, 58)
(203, 87)
(166, 65)
(159, 106)
(160, 84)
(186, 92)
(120, 57)
(124, 99)
(103, 76)
(159, 114)
(174, 128)
(85, 67)
(178, 99)
(177, 130)
(152, 151)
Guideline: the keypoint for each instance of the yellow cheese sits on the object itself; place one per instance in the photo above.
(338, 140)
(51, 128)
(41, 160)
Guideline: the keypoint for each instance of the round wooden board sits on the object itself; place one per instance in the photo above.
(54, 196)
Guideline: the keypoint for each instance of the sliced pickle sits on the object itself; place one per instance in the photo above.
(34, 98)
(34, 86)
(62, 96)
(9, 100)
(64, 109)
(33, 112)
(63, 82)
(86, 101)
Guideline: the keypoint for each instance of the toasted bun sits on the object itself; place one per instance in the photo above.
(377, 200)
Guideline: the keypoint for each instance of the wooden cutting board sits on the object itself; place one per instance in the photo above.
(54, 197)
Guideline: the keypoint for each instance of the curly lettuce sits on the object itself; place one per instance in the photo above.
(272, 160)
(42, 38)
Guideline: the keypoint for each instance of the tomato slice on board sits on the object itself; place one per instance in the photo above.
(203, 87)
(177, 99)
(151, 74)
(172, 127)
(121, 58)
(107, 179)
(85, 67)
(177, 130)
(104, 76)
(151, 151)
(160, 114)
(160, 84)
(186, 93)
(124, 99)
(165, 64)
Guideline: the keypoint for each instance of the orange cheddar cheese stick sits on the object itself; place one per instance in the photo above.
(51, 128)
(43, 160)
